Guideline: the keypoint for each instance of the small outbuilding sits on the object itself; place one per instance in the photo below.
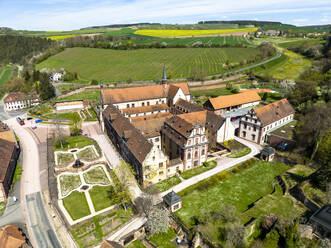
(267, 153)
(173, 201)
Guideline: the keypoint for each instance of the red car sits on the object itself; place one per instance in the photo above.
(20, 121)
(233, 118)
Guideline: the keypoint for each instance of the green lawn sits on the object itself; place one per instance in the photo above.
(239, 190)
(136, 244)
(315, 194)
(17, 173)
(297, 43)
(211, 93)
(87, 94)
(96, 175)
(196, 171)
(163, 240)
(2, 207)
(168, 183)
(103, 197)
(145, 64)
(240, 153)
(76, 205)
(70, 116)
(74, 142)
(275, 203)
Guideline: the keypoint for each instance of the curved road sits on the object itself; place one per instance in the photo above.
(41, 231)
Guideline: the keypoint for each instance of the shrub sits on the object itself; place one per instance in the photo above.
(94, 82)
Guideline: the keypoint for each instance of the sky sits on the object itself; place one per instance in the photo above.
(57, 15)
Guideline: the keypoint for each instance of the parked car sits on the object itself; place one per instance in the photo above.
(38, 121)
(20, 121)
(29, 118)
(34, 127)
(233, 118)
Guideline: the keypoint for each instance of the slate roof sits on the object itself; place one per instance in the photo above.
(233, 100)
(274, 111)
(136, 142)
(141, 93)
(323, 216)
(171, 198)
(6, 150)
(187, 106)
(268, 150)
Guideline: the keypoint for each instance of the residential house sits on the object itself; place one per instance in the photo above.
(55, 76)
(272, 32)
(223, 104)
(257, 123)
(18, 100)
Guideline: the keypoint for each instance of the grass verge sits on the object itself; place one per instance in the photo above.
(168, 183)
(196, 171)
(103, 197)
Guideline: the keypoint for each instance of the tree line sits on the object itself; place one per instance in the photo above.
(16, 48)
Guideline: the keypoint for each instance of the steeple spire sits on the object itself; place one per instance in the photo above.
(164, 75)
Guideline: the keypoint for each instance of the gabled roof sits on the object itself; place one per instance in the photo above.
(14, 97)
(172, 198)
(135, 141)
(150, 128)
(6, 150)
(234, 100)
(268, 150)
(274, 111)
(145, 109)
(140, 93)
(11, 237)
(187, 106)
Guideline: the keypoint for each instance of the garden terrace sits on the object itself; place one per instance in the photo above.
(251, 184)
(90, 232)
(72, 142)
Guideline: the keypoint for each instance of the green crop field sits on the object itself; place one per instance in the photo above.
(145, 64)
(222, 40)
(5, 74)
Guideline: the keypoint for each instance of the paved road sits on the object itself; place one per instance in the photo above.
(38, 225)
(222, 164)
(13, 211)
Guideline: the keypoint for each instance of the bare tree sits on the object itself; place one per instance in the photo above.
(235, 235)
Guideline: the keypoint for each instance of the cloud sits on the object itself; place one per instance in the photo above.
(73, 14)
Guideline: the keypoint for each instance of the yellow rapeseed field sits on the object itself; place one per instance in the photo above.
(61, 37)
(183, 33)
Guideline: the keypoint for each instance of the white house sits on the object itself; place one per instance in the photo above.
(56, 76)
(18, 100)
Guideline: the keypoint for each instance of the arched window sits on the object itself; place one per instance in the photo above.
(203, 152)
(189, 155)
(196, 154)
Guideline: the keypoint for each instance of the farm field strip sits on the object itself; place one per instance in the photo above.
(187, 33)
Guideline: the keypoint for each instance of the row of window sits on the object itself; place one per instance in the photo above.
(142, 114)
(143, 104)
(249, 128)
(278, 122)
(196, 154)
(196, 141)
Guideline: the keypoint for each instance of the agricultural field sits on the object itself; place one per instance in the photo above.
(191, 41)
(61, 37)
(146, 64)
(189, 33)
(5, 74)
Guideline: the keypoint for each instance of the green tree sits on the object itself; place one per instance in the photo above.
(46, 89)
